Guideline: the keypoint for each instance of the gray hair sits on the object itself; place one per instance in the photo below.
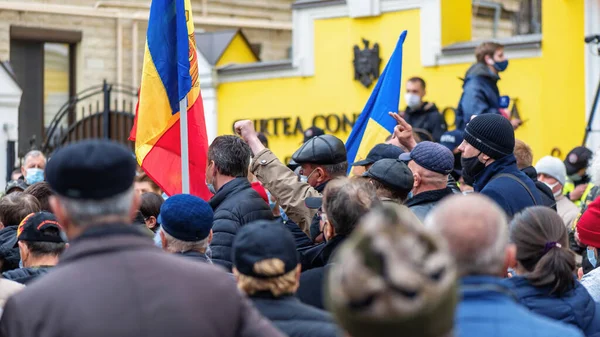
(476, 230)
(33, 154)
(178, 246)
(85, 212)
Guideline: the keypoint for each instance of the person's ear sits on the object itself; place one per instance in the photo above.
(135, 206)
(322, 175)
(210, 236)
(485, 157)
(151, 222)
(163, 240)
(489, 59)
(416, 180)
(579, 273)
(298, 273)
(328, 230)
(510, 257)
(23, 250)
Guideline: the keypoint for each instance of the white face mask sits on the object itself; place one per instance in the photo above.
(552, 186)
(413, 101)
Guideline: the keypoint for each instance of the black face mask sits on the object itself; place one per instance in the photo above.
(471, 167)
(458, 161)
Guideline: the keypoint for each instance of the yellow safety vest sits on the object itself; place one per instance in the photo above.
(570, 186)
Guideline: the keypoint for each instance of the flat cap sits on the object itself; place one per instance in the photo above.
(186, 217)
(432, 157)
(264, 240)
(393, 173)
(91, 169)
(380, 151)
(321, 150)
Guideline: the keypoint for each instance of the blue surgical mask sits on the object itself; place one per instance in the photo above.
(34, 175)
(501, 66)
(272, 203)
(591, 255)
(20, 263)
(211, 188)
(410, 195)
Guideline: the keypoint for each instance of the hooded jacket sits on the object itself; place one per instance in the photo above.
(480, 95)
(509, 194)
(234, 205)
(427, 118)
(488, 308)
(576, 307)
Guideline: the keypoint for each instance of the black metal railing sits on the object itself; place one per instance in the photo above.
(103, 111)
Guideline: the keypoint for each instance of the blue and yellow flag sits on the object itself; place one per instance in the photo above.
(374, 124)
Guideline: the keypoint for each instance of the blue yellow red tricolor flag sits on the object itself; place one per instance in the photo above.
(374, 124)
(170, 73)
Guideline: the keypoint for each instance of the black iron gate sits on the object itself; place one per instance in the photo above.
(103, 111)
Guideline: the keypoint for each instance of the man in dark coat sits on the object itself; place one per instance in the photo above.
(40, 245)
(235, 202)
(424, 117)
(112, 280)
(487, 157)
(13, 209)
(431, 164)
(480, 88)
(186, 227)
(392, 179)
(267, 268)
(345, 201)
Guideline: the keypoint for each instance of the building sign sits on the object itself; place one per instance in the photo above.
(292, 126)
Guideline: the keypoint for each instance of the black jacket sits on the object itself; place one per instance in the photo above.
(545, 191)
(480, 95)
(26, 275)
(9, 251)
(311, 280)
(426, 118)
(293, 317)
(235, 205)
(422, 203)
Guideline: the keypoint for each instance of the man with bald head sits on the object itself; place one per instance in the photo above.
(476, 231)
(430, 164)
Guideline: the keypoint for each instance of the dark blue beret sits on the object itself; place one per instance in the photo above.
(91, 169)
(186, 217)
(263, 240)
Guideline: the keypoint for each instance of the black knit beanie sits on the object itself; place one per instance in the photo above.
(491, 134)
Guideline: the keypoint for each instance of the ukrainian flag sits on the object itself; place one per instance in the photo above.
(374, 124)
(170, 73)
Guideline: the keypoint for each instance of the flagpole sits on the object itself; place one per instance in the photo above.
(185, 163)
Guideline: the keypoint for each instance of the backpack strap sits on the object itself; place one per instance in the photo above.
(513, 177)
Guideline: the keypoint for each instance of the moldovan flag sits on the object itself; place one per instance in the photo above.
(374, 124)
(170, 73)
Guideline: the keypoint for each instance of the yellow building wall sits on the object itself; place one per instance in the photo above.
(238, 51)
(550, 88)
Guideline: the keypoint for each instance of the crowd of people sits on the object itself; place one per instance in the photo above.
(434, 233)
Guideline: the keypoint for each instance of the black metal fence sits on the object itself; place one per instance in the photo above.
(103, 111)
